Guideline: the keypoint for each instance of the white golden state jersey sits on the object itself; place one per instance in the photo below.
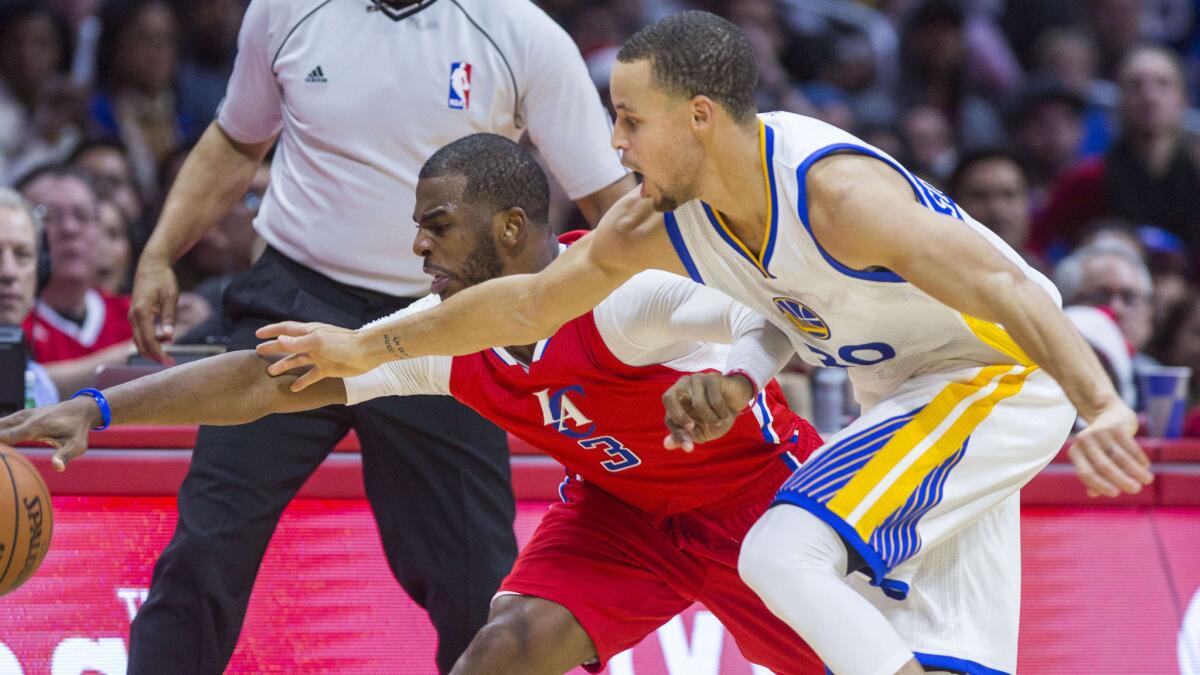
(884, 329)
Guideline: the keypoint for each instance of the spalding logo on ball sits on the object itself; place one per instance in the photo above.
(26, 519)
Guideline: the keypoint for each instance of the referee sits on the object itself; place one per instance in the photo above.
(358, 94)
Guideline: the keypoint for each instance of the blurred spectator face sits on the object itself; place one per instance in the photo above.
(72, 226)
(146, 49)
(212, 27)
(1117, 24)
(929, 137)
(1067, 56)
(1183, 348)
(1049, 136)
(1153, 100)
(18, 265)
(30, 51)
(112, 177)
(114, 253)
(226, 249)
(994, 192)
(1113, 281)
(937, 47)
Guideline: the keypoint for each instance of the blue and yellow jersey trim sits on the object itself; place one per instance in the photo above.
(761, 260)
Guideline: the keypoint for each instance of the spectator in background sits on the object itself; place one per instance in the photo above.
(1178, 344)
(1069, 56)
(1118, 27)
(1100, 329)
(1147, 177)
(991, 186)
(934, 65)
(106, 163)
(1110, 274)
(210, 30)
(137, 100)
(115, 252)
(929, 138)
(18, 277)
(1045, 121)
(74, 327)
(40, 110)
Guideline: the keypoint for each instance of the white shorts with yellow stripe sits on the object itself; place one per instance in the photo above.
(923, 489)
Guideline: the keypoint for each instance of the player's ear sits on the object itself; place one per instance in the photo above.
(509, 225)
(703, 111)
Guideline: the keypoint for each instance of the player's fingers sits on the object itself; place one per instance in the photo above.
(1091, 478)
(67, 452)
(292, 328)
(308, 379)
(1132, 459)
(290, 363)
(674, 403)
(166, 321)
(702, 410)
(1102, 456)
(678, 439)
(715, 395)
(142, 319)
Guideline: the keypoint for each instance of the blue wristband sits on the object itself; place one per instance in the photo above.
(101, 402)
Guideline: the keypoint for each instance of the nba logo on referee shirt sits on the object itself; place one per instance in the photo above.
(460, 86)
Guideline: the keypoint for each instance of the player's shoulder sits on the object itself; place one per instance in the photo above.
(502, 15)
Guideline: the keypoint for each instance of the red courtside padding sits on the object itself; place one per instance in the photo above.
(135, 460)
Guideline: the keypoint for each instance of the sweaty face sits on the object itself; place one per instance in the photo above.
(652, 133)
(994, 193)
(454, 238)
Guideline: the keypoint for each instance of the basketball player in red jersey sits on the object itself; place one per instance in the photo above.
(642, 532)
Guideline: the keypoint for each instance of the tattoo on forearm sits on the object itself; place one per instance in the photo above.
(394, 349)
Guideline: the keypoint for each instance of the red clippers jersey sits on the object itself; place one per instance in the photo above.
(54, 338)
(603, 419)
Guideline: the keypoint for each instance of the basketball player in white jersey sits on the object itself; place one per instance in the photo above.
(358, 94)
(964, 364)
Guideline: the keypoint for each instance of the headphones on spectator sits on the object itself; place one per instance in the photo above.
(43, 262)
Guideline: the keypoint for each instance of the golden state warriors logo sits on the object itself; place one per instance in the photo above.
(803, 318)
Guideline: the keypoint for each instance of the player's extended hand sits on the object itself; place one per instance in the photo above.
(703, 407)
(1107, 458)
(328, 351)
(63, 425)
(152, 309)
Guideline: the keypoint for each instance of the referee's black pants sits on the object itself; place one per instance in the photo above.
(436, 474)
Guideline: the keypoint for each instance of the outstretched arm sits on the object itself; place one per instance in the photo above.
(864, 214)
(228, 389)
(512, 310)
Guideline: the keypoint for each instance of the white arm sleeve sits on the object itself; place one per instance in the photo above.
(564, 115)
(252, 110)
(658, 317)
(422, 375)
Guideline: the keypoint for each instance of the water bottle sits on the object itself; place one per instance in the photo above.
(30, 384)
(829, 399)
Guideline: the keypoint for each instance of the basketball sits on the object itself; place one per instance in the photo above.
(26, 519)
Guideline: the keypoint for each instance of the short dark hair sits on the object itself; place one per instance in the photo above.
(500, 174)
(54, 170)
(696, 53)
(977, 156)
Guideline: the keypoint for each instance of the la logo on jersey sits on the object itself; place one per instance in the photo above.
(460, 86)
(563, 415)
(803, 317)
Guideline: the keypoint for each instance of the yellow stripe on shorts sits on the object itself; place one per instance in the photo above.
(937, 453)
(851, 497)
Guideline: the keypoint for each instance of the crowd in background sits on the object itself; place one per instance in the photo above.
(1066, 126)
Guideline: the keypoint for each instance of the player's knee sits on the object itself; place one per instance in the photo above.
(506, 643)
(787, 543)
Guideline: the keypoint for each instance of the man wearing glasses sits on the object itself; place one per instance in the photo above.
(72, 319)
(1112, 275)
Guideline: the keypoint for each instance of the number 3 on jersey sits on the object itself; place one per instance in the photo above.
(560, 413)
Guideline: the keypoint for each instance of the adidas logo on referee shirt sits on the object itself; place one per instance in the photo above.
(317, 75)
